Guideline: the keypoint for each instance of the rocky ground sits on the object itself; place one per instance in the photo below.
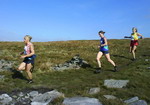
(37, 97)
(46, 97)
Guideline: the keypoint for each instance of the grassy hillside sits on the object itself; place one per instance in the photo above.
(78, 82)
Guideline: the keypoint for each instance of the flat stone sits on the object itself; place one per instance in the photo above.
(81, 101)
(115, 83)
(139, 102)
(110, 97)
(94, 90)
(131, 100)
(38, 103)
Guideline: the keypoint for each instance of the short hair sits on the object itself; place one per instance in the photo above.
(101, 32)
(28, 36)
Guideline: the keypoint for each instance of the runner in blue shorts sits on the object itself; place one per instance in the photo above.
(103, 51)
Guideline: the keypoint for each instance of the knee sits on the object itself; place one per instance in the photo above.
(132, 51)
(97, 59)
(19, 69)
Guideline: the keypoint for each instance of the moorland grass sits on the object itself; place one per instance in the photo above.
(78, 82)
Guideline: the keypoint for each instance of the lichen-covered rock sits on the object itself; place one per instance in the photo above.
(46, 98)
(115, 83)
(94, 90)
(75, 63)
(5, 99)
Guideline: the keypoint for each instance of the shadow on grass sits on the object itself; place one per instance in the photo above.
(18, 75)
(146, 55)
(120, 56)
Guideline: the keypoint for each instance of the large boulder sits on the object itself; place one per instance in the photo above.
(81, 101)
(46, 98)
(115, 83)
(75, 63)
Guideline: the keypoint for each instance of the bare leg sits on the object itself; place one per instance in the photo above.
(109, 60)
(28, 68)
(99, 55)
(133, 51)
(21, 66)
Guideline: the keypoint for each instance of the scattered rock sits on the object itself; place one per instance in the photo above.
(5, 99)
(81, 101)
(139, 102)
(5, 65)
(110, 97)
(146, 60)
(21, 94)
(148, 67)
(46, 98)
(2, 77)
(131, 100)
(94, 90)
(75, 63)
(135, 101)
(115, 83)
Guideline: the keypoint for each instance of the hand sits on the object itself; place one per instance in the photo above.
(21, 53)
(141, 37)
(23, 56)
(126, 37)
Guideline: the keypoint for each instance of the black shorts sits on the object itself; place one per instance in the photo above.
(28, 60)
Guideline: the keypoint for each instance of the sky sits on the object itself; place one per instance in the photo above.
(59, 20)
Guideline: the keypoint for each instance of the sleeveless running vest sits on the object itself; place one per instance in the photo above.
(103, 48)
(134, 36)
(27, 49)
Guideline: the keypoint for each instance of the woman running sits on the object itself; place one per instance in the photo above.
(104, 51)
(28, 55)
(134, 41)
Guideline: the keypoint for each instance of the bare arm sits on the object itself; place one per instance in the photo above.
(127, 36)
(21, 53)
(105, 42)
(139, 35)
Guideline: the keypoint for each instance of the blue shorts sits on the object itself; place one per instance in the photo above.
(105, 52)
(28, 60)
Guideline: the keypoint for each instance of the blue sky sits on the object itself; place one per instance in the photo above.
(53, 20)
